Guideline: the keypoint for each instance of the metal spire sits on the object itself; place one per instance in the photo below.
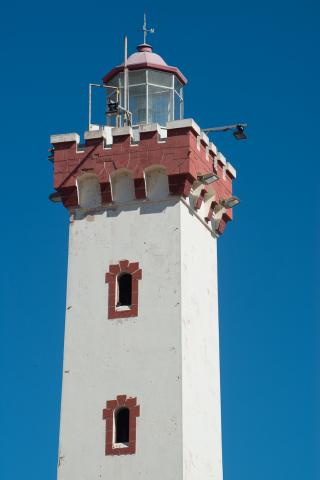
(146, 30)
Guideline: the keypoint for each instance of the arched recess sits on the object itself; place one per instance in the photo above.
(89, 192)
(122, 186)
(157, 184)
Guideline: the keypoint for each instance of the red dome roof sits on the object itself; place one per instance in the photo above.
(145, 58)
(145, 55)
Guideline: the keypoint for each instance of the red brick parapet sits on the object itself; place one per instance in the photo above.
(185, 154)
(112, 406)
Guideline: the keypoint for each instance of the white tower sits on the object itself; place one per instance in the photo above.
(141, 386)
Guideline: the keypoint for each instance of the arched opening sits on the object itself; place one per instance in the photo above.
(122, 418)
(157, 185)
(122, 186)
(124, 290)
(89, 192)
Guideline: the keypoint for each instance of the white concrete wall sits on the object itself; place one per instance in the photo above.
(136, 356)
(202, 450)
(167, 357)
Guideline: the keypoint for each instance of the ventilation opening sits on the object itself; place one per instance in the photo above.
(124, 290)
(122, 425)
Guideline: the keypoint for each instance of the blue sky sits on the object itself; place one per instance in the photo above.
(245, 61)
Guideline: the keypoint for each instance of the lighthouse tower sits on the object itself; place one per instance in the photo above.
(148, 197)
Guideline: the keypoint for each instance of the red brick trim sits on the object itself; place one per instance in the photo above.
(111, 278)
(109, 416)
(200, 199)
(222, 224)
(211, 211)
(140, 189)
(178, 154)
(180, 184)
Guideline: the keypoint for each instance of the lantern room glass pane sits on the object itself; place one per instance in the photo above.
(178, 107)
(160, 78)
(159, 105)
(121, 79)
(137, 104)
(114, 82)
(137, 77)
(178, 86)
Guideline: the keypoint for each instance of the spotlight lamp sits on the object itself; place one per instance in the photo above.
(238, 130)
(239, 133)
(230, 202)
(55, 197)
(208, 178)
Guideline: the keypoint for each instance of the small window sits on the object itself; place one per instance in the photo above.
(124, 290)
(123, 299)
(121, 422)
(122, 418)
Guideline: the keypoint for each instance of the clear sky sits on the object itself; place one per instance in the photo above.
(256, 62)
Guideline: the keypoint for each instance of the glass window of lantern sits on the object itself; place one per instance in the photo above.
(178, 87)
(159, 104)
(154, 96)
(178, 99)
(114, 82)
(160, 78)
(137, 104)
(137, 77)
(178, 107)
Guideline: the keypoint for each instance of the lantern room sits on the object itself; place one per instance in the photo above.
(154, 89)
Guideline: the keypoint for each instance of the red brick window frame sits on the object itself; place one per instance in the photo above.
(109, 415)
(124, 266)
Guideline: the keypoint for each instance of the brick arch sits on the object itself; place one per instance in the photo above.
(112, 406)
(124, 266)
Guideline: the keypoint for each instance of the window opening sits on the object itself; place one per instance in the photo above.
(122, 418)
(124, 290)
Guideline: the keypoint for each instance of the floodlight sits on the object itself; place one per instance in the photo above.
(239, 133)
(208, 178)
(55, 197)
(230, 202)
(238, 127)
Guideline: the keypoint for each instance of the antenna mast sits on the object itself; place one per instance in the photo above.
(145, 29)
(125, 63)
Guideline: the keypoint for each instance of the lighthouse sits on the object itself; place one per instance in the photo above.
(148, 197)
